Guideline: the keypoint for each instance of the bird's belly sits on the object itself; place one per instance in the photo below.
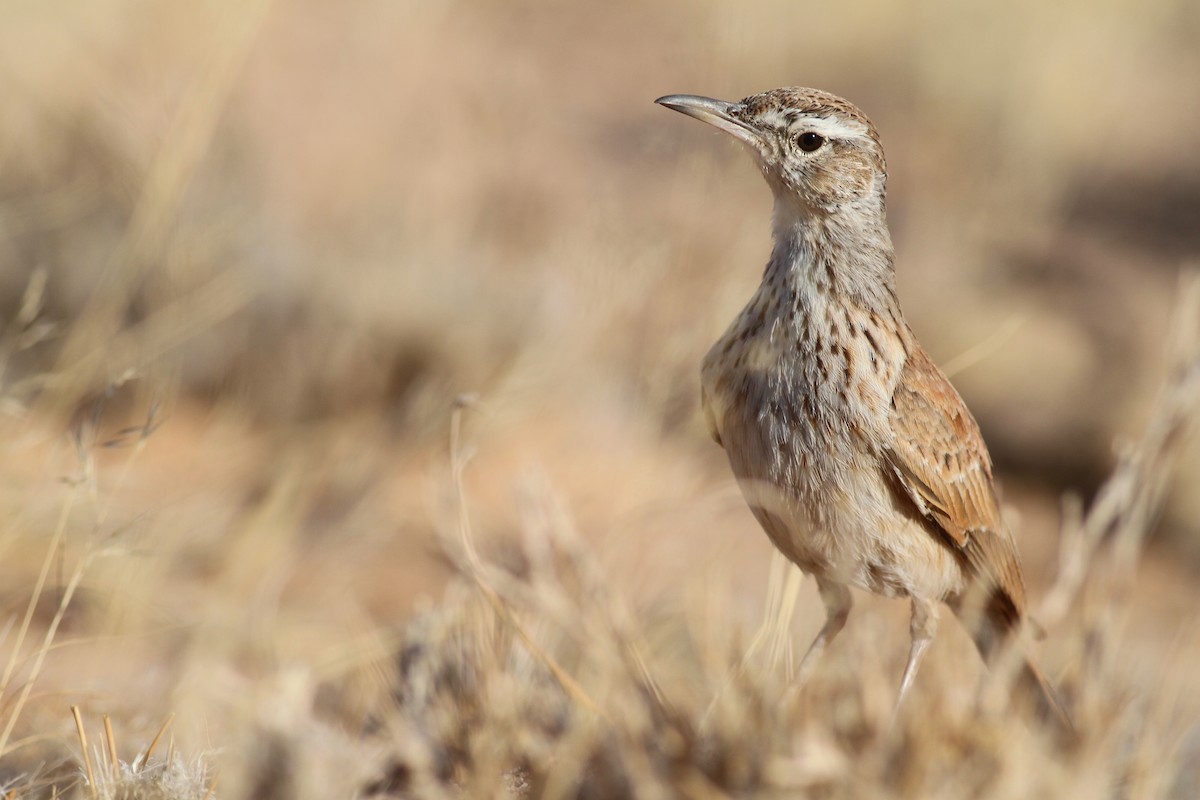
(878, 546)
(821, 495)
(858, 536)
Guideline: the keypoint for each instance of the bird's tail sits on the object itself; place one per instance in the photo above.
(992, 636)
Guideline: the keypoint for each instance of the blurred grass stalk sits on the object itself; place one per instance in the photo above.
(99, 349)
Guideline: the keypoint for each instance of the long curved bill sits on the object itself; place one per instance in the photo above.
(718, 113)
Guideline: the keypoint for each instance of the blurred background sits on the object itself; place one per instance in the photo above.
(254, 255)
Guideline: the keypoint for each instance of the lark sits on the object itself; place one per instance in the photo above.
(859, 459)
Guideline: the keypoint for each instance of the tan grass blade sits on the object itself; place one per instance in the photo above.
(48, 639)
(145, 757)
(111, 741)
(83, 747)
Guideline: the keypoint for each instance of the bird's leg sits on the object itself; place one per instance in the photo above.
(836, 598)
(923, 628)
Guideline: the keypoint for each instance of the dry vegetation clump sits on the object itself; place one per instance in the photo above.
(531, 679)
(167, 777)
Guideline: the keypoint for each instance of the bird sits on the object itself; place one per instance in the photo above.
(853, 450)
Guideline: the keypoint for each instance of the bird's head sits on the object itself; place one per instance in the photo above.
(817, 151)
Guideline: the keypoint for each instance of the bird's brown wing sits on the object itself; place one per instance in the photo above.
(941, 464)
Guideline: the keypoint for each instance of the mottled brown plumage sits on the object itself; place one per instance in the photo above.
(943, 466)
(857, 456)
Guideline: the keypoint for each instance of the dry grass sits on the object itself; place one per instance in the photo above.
(254, 252)
(537, 678)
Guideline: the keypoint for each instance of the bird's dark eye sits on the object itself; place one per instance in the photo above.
(810, 141)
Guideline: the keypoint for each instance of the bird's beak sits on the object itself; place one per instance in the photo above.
(718, 113)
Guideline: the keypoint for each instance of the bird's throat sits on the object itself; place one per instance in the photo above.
(846, 253)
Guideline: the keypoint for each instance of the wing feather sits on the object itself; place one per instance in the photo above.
(939, 460)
